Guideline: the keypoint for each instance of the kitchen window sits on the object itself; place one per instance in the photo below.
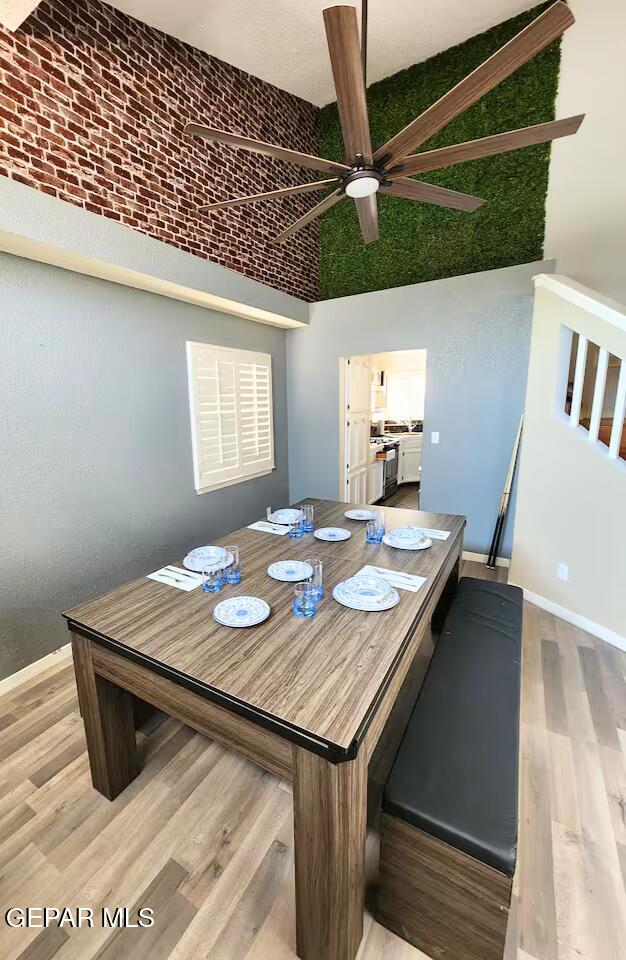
(230, 400)
(405, 391)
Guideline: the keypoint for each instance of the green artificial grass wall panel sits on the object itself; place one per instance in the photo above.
(421, 242)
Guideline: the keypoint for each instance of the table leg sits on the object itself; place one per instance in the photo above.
(107, 712)
(330, 813)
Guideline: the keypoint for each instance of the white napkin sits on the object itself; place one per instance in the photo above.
(265, 527)
(435, 534)
(397, 578)
(175, 577)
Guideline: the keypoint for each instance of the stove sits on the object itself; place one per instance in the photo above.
(390, 472)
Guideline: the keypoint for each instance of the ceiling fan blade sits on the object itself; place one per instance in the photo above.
(367, 209)
(316, 211)
(342, 34)
(269, 149)
(537, 35)
(270, 195)
(486, 147)
(431, 193)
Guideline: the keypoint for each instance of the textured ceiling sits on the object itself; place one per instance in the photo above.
(283, 41)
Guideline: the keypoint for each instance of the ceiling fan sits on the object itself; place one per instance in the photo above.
(390, 168)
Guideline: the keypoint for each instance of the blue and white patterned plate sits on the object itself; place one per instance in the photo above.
(369, 604)
(205, 558)
(286, 516)
(241, 611)
(403, 543)
(332, 533)
(359, 514)
(291, 571)
(366, 588)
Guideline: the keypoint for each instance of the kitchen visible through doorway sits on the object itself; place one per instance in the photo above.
(381, 410)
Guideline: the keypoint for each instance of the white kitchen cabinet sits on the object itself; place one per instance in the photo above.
(360, 377)
(357, 492)
(410, 458)
(375, 481)
(359, 440)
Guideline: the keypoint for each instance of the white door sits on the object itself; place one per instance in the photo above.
(357, 430)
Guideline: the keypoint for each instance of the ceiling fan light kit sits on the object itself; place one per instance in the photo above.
(362, 183)
(390, 169)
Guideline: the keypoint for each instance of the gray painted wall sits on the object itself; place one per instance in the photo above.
(476, 330)
(97, 473)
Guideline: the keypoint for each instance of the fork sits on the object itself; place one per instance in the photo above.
(394, 573)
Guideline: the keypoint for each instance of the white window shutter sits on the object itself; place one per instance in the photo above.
(255, 420)
(230, 395)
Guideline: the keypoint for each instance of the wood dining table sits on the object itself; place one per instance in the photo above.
(321, 702)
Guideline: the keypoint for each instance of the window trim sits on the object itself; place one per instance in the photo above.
(191, 384)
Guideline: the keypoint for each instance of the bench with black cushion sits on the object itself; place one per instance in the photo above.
(449, 823)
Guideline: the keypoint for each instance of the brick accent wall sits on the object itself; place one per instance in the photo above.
(92, 109)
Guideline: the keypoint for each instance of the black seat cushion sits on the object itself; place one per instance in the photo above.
(455, 774)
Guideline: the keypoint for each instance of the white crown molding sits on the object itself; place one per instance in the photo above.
(584, 297)
(48, 230)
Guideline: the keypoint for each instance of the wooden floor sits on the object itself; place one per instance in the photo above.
(407, 495)
(205, 838)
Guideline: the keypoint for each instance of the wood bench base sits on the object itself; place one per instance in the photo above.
(444, 902)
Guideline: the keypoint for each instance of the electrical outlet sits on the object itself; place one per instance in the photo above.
(434, 437)
(563, 571)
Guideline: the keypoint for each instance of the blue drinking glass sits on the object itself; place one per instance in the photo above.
(371, 532)
(307, 523)
(232, 573)
(304, 599)
(316, 578)
(379, 522)
(295, 529)
(212, 580)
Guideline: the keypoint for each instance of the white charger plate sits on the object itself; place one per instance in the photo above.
(423, 544)
(200, 558)
(332, 534)
(241, 611)
(346, 599)
(359, 514)
(290, 571)
(286, 516)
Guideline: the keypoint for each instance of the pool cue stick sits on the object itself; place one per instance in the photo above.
(504, 501)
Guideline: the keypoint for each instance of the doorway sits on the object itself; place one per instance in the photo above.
(381, 413)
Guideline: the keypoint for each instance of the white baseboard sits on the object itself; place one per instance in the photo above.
(595, 629)
(57, 657)
(482, 558)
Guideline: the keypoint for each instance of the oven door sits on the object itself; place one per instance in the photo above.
(391, 472)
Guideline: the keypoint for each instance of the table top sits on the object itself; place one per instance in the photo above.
(314, 680)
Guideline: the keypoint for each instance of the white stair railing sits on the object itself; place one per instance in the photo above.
(619, 414)
(591, 395)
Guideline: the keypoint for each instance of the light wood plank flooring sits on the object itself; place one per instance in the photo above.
(407, 495)
(205, 838)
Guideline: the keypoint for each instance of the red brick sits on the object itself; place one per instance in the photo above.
(87, 89)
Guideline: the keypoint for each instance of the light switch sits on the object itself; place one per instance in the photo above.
(434, 437)
(563, 571)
